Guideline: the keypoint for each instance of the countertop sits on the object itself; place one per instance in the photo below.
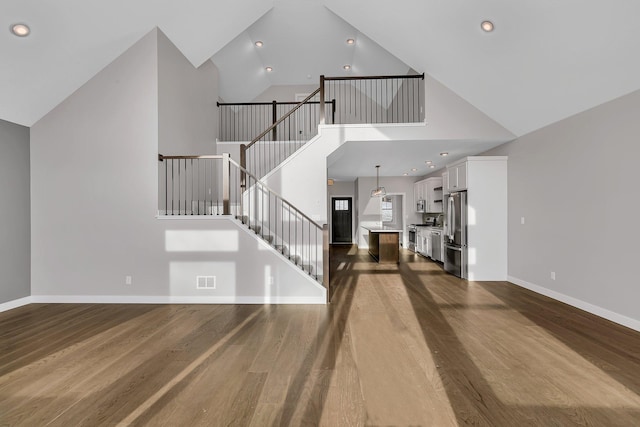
(382, 229)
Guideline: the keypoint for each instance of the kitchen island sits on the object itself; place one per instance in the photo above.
(384, 244)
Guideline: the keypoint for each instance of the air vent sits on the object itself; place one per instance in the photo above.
(205, 282)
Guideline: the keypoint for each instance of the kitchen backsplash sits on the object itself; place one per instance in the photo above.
(439, 218)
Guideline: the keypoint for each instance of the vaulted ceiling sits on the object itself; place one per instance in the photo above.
(545, 60)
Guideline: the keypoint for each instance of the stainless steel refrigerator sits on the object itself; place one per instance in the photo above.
(455, 239)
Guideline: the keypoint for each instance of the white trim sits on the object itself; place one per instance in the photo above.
(10, 305)
(192, 217)
(590, 308)
(160, 299)
(372, 125)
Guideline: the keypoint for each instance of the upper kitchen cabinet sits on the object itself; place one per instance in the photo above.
(445, 183)
(428, 195)
(434, 195)
(419, 196)
(457, 173)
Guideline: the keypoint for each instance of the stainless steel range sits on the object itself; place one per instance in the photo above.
(411, 231)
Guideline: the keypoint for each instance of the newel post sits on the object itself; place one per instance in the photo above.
(322, 99)
(226, 184)
(243, 163)
(325, 260)
(274, 119)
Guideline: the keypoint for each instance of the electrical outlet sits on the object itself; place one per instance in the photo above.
(128, 280)
(521, 220)
(553, 275)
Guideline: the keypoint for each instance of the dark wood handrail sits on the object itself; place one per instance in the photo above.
(161, 157)
(401, 76)
(261, 183)
(281, 119)
(241, 104)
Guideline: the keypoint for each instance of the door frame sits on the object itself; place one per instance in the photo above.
(404, 241)
(336, 196)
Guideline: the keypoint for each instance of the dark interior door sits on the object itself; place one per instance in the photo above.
(341, 220)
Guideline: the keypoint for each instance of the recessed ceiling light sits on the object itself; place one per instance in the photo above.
(259, 43)
(428, 162)
(432, 166)
(413, 169)
(347, 67)
(20, 30)
(444, 154)
(351, 41)
(269, 69)
(487, 26)
(405, 174)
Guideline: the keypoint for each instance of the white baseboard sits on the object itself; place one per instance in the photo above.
(9, 305)
(158, 299)
(582, 305)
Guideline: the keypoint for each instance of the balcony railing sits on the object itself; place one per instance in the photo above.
(243, 121)
(369, 99)
(375, 99)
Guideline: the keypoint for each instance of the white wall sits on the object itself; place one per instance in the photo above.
(451, 117)
(286, 93)
(15, 266)
(187, 96)
(94, 197)
(575, 183)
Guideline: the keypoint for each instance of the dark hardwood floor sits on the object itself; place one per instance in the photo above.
(400, 345)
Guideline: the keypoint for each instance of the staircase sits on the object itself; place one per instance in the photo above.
(217, 185)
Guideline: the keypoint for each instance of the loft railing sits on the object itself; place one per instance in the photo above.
(216, 185)
(374, 99)
(282, 138)
(370, 99)
(242, 121)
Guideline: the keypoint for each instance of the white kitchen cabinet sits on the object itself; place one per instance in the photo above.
(420, 194)
(457, 173)
(424, 236)
(419, 241)
(430, 191)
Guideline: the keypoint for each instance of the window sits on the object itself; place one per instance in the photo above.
(341, 205)
(387, 210)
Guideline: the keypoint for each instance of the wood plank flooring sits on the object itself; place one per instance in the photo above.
(399, 345)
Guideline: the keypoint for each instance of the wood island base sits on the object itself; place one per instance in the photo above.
(384, 247)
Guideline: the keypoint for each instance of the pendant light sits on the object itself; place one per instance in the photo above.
(378, 191)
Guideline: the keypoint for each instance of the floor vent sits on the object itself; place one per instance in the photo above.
(205, 282)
